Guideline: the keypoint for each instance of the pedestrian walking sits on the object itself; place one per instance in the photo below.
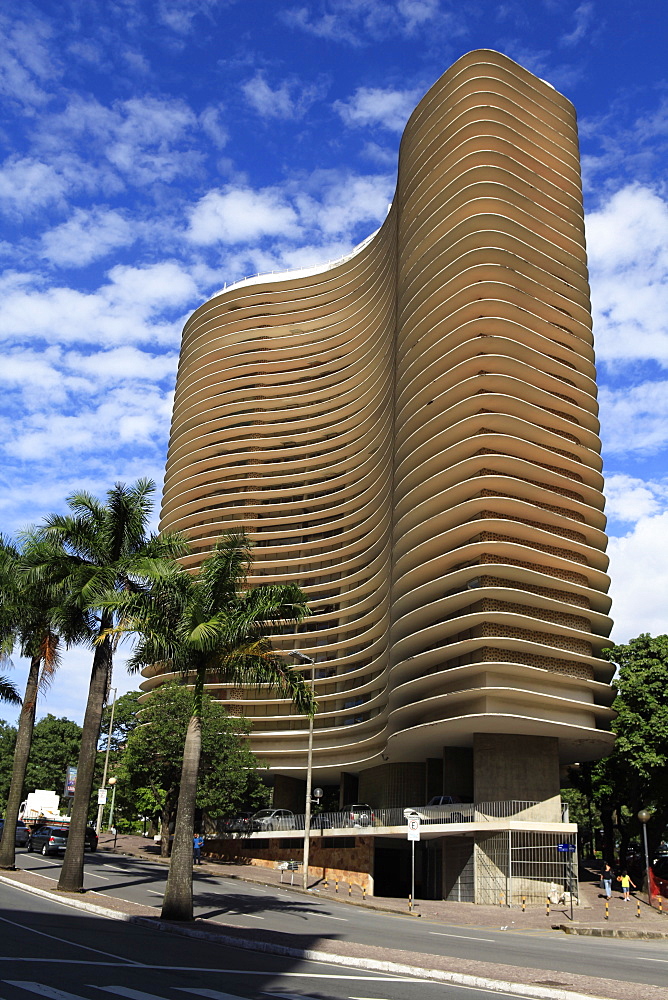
(626, 881)
(606, 880)
(198, 844)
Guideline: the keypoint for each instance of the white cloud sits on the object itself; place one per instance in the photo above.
(639, 573)
(635, 419)
(631, 499)
(210, 120)
(627, 240)
(135, 306)
(387, 108)
(338, 202)
(87, 236)
(237, 215)
(26, 59)
(583, 16)
(291, 99)
(27, 183)
(357, 22)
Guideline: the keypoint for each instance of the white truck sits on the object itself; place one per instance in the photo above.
(41, 806)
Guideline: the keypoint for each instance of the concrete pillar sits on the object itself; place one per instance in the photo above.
(348, 788)
(508, 766)
(434, 785)
(289, 793)
(458, 772)
(388, 785)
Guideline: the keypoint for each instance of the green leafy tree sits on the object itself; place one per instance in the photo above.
(55, 746)
(125, 721)
(635, 774)
(98, 549)
(7, 747)
(210, 626)
(28, 612)
(153, 758)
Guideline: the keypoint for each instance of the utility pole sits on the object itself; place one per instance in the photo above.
(303, 658)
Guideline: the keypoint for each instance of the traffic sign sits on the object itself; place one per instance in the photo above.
(566, 848)
(414, 828)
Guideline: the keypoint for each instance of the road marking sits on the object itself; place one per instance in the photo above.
(214, 994)
(645, 959)
(93, 875)
(126, 871)
(464, 937)
(330, 917)
(155, 893)
(52, 937)
(51, 878)
(43, 991)
(125, 991)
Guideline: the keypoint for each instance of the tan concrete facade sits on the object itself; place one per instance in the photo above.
(411, 435)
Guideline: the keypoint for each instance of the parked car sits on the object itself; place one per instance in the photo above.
(357, 814)
(660, 873)
(440, 809)
(241, 823)
(22, 833)
(273, 819)
(51, 839)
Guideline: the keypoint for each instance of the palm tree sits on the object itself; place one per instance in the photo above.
(27, 621)
(8, 691)
(91, 553)
(205, 625)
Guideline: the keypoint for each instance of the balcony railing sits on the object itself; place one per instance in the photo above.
(373, 819)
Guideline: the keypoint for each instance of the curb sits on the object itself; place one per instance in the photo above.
(368, 964)
(612, 932)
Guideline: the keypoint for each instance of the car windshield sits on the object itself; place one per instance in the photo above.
(264, 812)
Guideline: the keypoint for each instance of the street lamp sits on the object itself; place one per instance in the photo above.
(112, 782)
(303, 658)
(100, 808)
(644, 816)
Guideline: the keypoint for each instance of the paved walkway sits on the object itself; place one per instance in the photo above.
(588, 918)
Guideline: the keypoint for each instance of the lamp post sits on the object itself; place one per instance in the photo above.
(112, 782)
(303, 658)
(100, 808)
(644, 816)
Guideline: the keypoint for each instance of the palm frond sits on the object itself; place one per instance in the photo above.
(9, 691)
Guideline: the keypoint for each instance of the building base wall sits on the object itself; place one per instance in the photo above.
(524, 768)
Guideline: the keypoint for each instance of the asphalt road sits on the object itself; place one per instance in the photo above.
(47, 949)
(251, 906)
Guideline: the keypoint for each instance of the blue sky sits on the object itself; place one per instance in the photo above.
(155, 149)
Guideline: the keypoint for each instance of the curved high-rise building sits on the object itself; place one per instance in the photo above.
(410, 434)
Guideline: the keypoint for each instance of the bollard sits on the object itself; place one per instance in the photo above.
(502, 899)
(660, 905)
(607, 909)
(364, 894)
(524, 904)
(638, 908)
(350, 889)
(336, 885)
(410, 903)
(326, 884)
(547, 906)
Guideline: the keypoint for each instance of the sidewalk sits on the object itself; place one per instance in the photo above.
(588, 918)
(524, 982)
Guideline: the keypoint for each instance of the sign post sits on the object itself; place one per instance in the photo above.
(413, 820)
(567, 851)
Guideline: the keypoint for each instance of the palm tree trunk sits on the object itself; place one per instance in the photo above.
(21, 754)
(71, 876)
(178, 900)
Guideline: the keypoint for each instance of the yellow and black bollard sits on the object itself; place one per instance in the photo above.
(350, 889)
(660, 905)
(336, 885)
(547, 906)
(638, 908)
(410, 903)
(326, 884)
(502, 899)
(524, 904)
(364, 894)
(607, 908)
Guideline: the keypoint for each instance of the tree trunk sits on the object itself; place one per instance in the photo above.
(71, 876)
(178, 900)
(165, 817)
(21, 754)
